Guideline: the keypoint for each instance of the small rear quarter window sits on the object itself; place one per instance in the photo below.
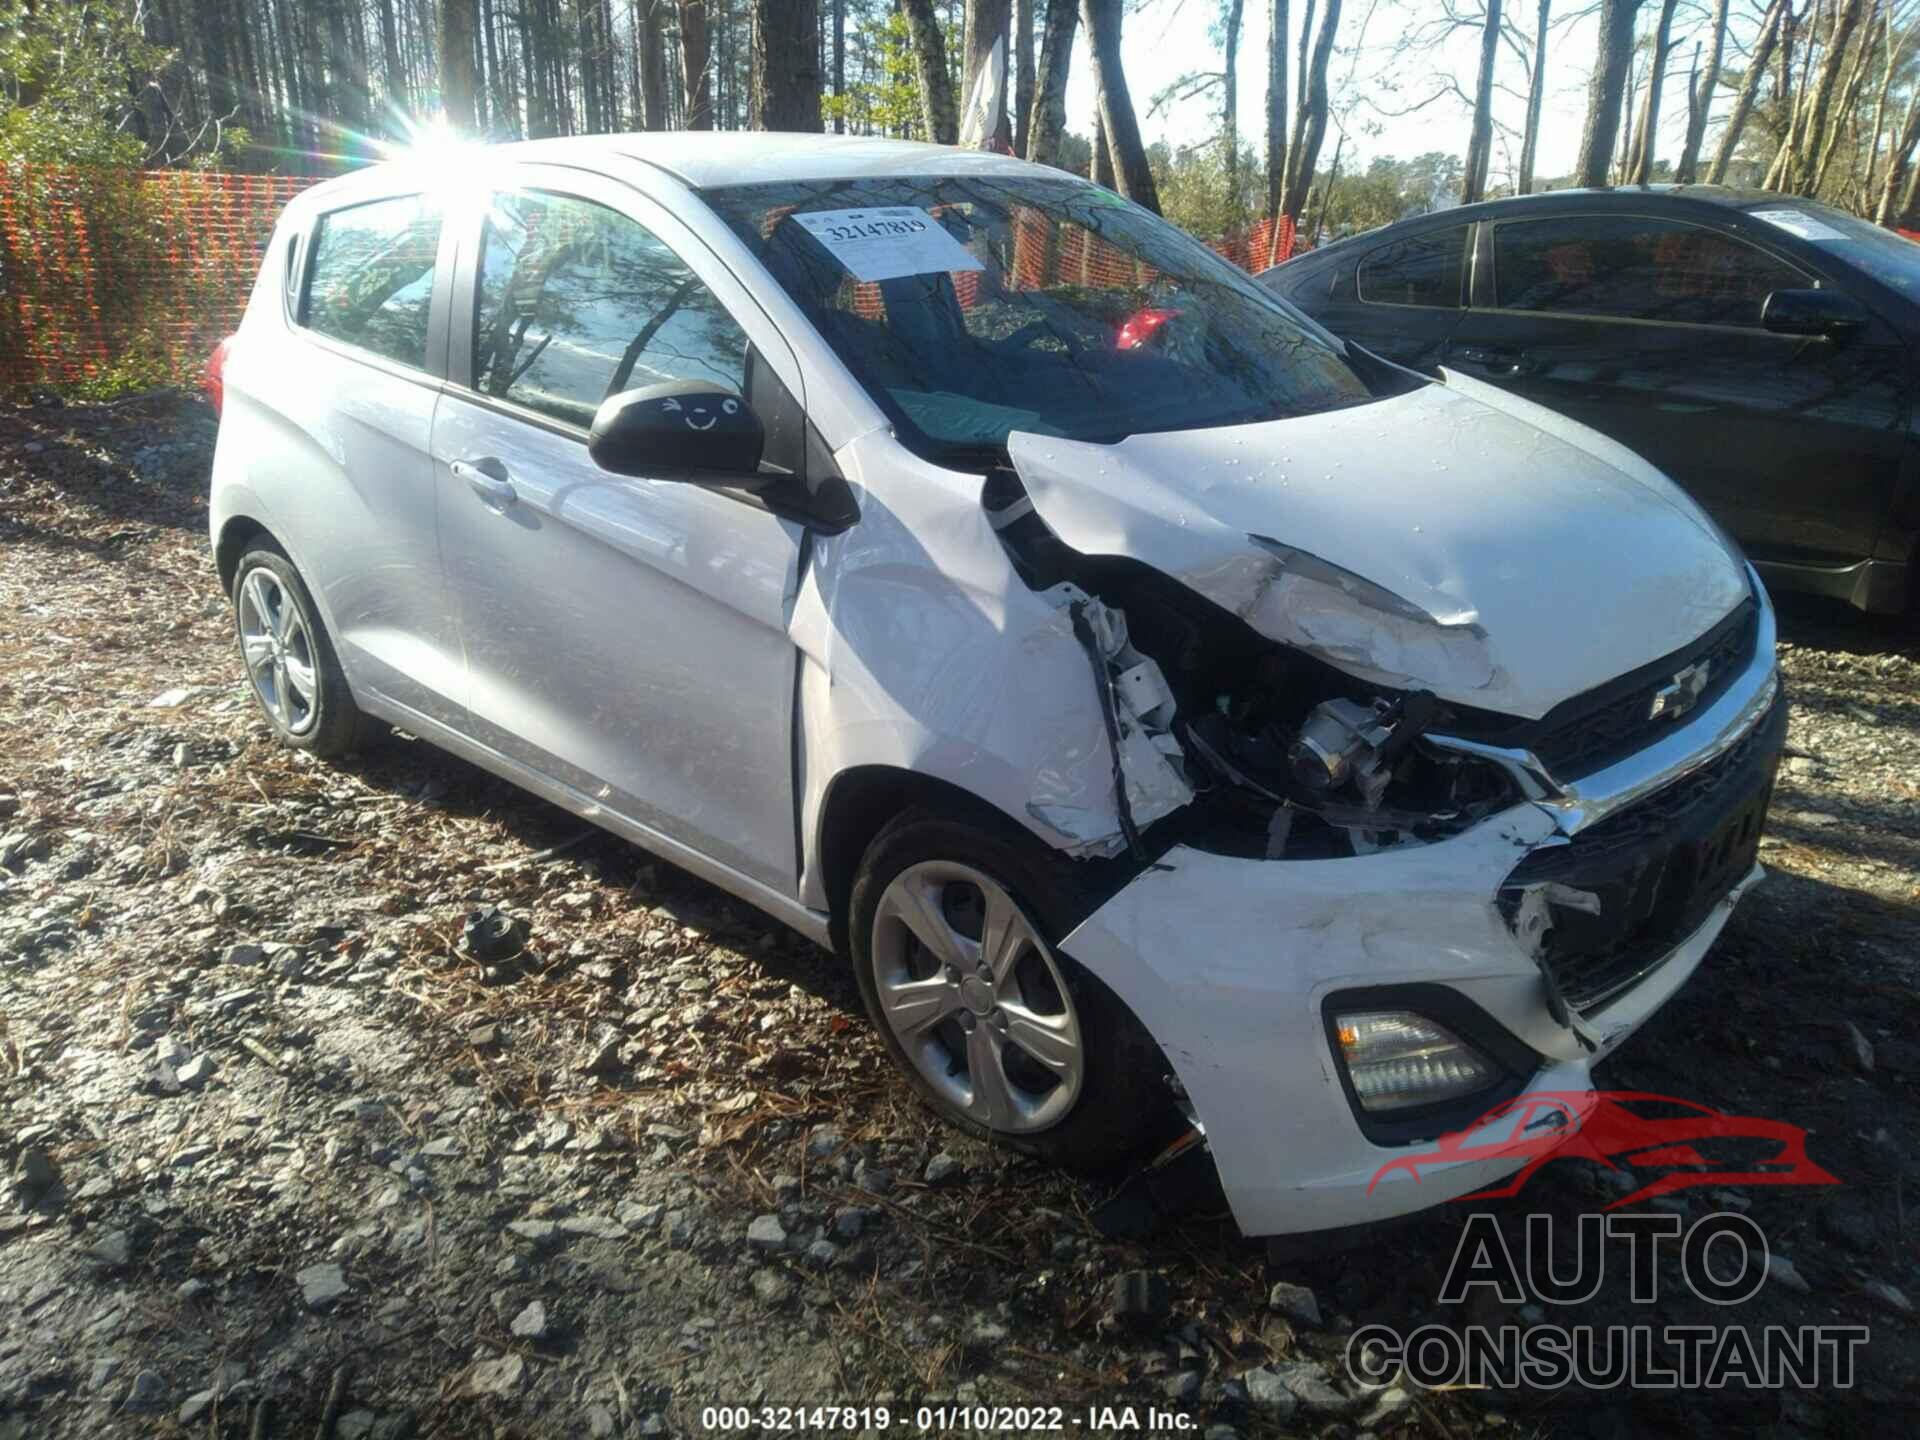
(1419, 270)
(370, 281)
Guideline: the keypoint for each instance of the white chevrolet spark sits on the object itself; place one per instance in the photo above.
(1175, 717)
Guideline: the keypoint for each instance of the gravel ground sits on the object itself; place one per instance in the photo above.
(285, 1155)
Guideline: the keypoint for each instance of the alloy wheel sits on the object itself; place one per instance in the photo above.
(976, 999)
(278, 649)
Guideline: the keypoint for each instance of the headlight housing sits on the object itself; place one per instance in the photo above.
(1398, 1060)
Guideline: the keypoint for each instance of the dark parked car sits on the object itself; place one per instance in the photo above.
(1759, 348)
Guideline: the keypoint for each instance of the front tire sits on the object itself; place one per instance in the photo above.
(953, 927)
(295, 675)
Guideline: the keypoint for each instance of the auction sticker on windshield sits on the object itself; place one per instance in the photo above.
(1798, 222)
(886, 243)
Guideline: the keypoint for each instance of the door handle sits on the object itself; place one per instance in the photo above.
(493, 488)
(1494, 359)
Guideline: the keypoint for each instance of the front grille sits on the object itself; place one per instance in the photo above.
(1593, 730)
(1659, 866)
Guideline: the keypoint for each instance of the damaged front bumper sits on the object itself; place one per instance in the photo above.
(1232, 962)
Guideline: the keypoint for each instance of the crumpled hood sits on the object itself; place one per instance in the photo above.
(1525, 559)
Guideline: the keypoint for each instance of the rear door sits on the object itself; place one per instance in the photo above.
(625, 637)
(1402, 296)
(1647, 328)
(351, 403)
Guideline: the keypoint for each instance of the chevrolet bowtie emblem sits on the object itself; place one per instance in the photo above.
(1676, 699)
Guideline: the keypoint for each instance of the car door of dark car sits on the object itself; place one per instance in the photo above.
(1401, 298)
(1648, 329)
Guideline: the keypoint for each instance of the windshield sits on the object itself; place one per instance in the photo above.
(1887, 256)
(972, 307)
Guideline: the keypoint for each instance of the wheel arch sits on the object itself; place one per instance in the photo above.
(858, 803)
(236, 535)
(861, 800)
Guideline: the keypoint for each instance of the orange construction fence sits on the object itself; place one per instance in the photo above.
(105, 268)
(100, 269)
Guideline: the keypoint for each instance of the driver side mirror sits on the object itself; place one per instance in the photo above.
(1824, 313)
(692, 430)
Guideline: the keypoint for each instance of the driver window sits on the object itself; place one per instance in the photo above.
(1628, 267)
(577, 302)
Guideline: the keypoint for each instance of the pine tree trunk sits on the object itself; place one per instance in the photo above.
(786, 66)
(395, 81)
(1641, 166)
(1908, 217)
(1606, 91)
(1844, 115)
(600, 60)
(1133, 175)
(653, 64)
(496, 102)
(1786, 94)
(1473, 183)
(1023, 73)
(1100, 167)
(1811, 142)
(1276, 108)
(1311, 127)
(1770, 26)
(988, 21)
(939, 114)
(1624, 160)
(839, 61)
(457, 80)
(1230, 110)
(693, 65)
(539, 116)
(1701, 102)
(1536, 93)
(1047, 123)
(219, 64)
(1890, 57)
(586, 51)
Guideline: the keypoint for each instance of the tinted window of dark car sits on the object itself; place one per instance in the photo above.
(1634, 268)
(1420, 270)
(371, 282)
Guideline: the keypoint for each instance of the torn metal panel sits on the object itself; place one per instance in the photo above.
(1533, 927)
(1137, 709)
(1461, 565)
(949, 666)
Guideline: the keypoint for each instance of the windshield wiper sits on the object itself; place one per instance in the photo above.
(969, 457)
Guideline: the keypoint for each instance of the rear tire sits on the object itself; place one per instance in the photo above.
(289, 658)
(1032, 1051)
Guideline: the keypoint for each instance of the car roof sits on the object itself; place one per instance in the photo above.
(707, 158)
(1732, 195)
(1677, 199)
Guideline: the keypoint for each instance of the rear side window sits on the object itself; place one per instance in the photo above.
(578, 302)
(1634, 268)
(1420, 270)
(370, 283)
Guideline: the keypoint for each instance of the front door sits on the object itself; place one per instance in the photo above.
(1648, 329)
(624, 637)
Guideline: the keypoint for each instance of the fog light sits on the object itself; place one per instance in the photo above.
(1397, 1059)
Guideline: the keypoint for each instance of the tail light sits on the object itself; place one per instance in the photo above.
(213, 379)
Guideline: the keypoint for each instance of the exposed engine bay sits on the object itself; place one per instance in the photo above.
(1282, 755)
